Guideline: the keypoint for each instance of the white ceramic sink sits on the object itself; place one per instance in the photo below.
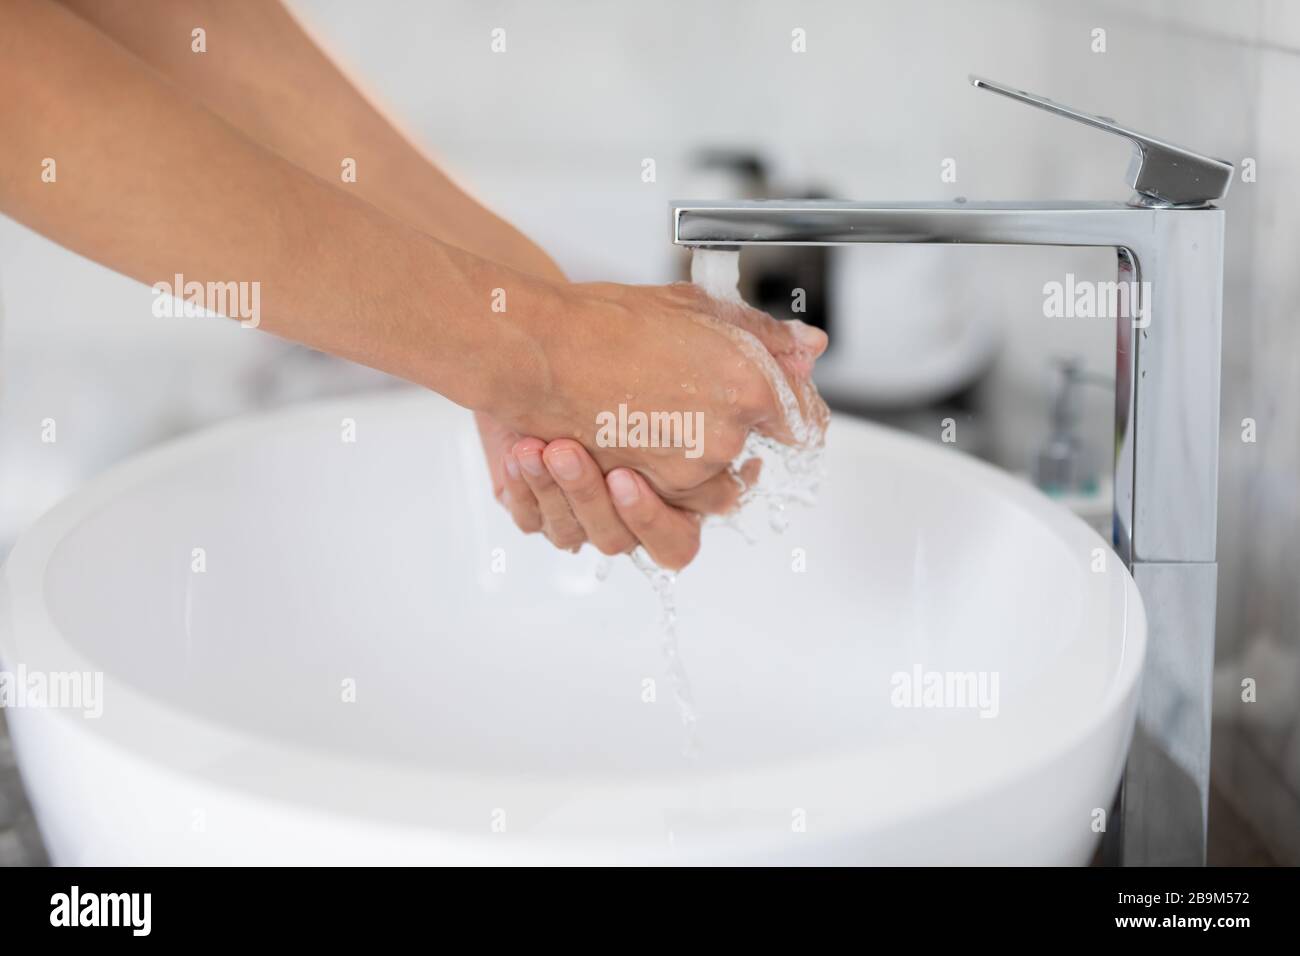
(501, 717)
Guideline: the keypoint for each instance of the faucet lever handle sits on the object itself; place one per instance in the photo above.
(1161, 173)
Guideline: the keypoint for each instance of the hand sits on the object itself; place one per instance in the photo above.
(669, 349)
(558, 488)
(543, 491)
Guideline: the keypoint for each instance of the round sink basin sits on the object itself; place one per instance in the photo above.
(317, 638)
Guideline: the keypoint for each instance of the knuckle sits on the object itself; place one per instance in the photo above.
(527, 522)
(569, 542)
(614, 546)
(645, 517)
(566, 533)
(729, 445)
(554, 507)
(539, 484)
(677, 474)
(684, 553)
(587, 491)
(754, 393)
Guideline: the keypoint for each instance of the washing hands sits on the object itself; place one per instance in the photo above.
(393, 266)
(671, 350)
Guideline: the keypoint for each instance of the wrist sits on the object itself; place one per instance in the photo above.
(531, 316)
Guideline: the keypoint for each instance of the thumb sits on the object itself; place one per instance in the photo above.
(794, 344)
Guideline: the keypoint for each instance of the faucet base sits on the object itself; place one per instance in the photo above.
(1165, 799)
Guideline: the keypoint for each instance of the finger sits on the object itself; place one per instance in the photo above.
(518, 497)
(497, 441)
(794, 348)
(670, 535)
(507, 485)
(578, 476)
(558, 522)
(795, 344)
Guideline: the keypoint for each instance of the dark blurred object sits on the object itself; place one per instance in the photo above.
(788, 282)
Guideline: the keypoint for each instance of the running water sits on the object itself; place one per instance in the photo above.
(789, 473)
(665, 585)
(717, 272)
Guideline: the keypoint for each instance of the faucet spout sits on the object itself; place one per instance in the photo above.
(834, 223)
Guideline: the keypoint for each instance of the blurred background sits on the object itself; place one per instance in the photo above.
(554, 134)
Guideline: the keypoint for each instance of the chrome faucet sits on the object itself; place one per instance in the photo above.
(1168, 239)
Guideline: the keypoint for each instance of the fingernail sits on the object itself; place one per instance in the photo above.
(512, 468)
(623, 487)
(532, 463)
(565, 463)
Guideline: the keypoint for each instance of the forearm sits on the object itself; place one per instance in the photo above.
(263, 74)
(150, 184)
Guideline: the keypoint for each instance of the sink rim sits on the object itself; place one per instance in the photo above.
(26, 626)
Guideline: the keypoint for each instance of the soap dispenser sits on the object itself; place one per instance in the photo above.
(1065, 465)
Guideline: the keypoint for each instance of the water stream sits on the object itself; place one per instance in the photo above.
(790, 474)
